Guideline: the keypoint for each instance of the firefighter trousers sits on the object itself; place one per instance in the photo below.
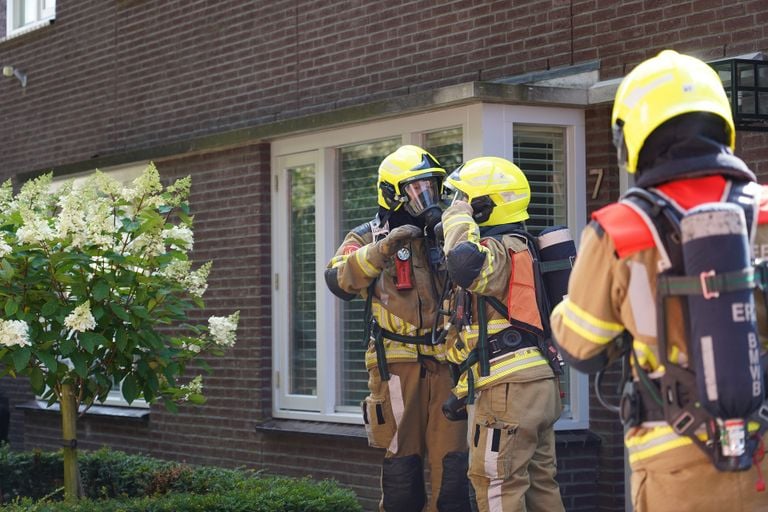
(404, 416)
(684, 480)
(511, 439)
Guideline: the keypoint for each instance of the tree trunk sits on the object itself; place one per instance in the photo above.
(69, 435)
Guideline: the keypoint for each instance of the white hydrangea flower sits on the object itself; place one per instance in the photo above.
(6, 195)
(14, 332)
(147, 244)
(195, 387)
(149, 182)
(197, 281)
(222, 329)
(5, 249)
(182, 234)
(35, 231)
(192, 347)
(81, 319)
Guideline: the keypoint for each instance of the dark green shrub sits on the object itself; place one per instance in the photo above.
(139, 483)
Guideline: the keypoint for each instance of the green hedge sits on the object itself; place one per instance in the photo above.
(118, 482)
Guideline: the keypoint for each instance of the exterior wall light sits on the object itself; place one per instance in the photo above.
(745, 80)
(9, 71)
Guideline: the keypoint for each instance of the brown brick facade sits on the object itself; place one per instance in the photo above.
(111, 82)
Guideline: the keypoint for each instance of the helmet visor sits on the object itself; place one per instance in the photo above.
(421, 194)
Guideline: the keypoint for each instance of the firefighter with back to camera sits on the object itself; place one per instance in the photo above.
(665, 281)
(393, 262)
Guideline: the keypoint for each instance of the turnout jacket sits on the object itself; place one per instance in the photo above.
(482, 266)
(358, 263)
(613, 287)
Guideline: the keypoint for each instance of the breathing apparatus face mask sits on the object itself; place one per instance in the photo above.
(423, 200)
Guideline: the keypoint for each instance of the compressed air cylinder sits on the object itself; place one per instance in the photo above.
(725, 352)
(556, 247)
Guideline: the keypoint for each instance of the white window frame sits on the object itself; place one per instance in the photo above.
(44, 14)
(125, 174)
(487, 130)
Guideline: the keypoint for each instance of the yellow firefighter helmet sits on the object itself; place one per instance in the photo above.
(660, 88)
(495, 187)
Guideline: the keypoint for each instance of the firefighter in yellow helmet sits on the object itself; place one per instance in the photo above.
(515, 393)
(631, 294)
(391, 262)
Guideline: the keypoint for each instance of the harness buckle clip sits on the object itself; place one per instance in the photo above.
(704, 289)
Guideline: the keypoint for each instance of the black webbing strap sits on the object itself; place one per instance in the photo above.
(381, 355)
(424, 339)
(483, 359)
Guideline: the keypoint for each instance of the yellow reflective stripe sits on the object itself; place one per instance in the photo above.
(653, 443)
(481, 282)
(646, 355)
(588, 326)
(361, 257)
(507, 365)
(656, 441)
(339, 260)
(471, 332)
(456, 221)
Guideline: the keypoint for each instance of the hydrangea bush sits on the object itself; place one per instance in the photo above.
(97, 287)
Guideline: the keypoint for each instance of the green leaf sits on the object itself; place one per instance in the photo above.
(130, 388)
(100, 290)
(6, 270)
(11, 307)
(171, 406)
(37, 380)
(118, 310)
(196, 399)
(50, 307)
(79, 360)
(21, 358)
(66, 347)
(140, 311)
(48, 359)
(90, 340)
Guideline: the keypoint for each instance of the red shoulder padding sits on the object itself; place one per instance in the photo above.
(762, 216)
(695, 191)
(627, 229)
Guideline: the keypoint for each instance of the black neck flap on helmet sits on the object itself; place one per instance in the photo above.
(689, 146)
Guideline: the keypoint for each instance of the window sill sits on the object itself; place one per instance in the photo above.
(28, 28)
(128, 413)
(313, 428)
(563, 438)
(576, 439)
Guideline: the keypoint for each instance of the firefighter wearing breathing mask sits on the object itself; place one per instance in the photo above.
(393, 263)
(646, 268)
(515, 393)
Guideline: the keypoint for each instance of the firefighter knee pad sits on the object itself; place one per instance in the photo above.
(402, 483)
(454, 487)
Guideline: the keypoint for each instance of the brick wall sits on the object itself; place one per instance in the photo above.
(113, 76)
(120, 77)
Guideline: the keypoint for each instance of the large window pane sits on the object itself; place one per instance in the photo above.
(359, 165)
(303, 342)
(446, 146)
(539, 152)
